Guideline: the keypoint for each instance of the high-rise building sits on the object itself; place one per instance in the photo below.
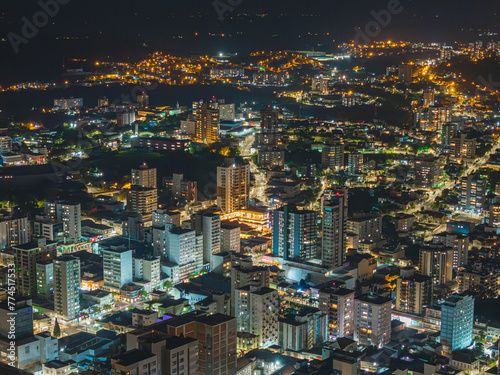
(320, 85)
(246, 274)
(355, 163)
(207, 119)
(257, 311)
(334, 227)
(432, 119)
(495, 215)
(457, 322)
(176, 354)
(208, 224)
(45, 279)
(27, 256)
(148, 268)
(448, 132)
(372, 320)
(294, 233)
(216, 334)
(135, 362)
(332, 156)
(230, 238)
(14, 230)
(473, 193)
(102, 102)
(269, 120)
(22, 324)
(125, 118)
(162, 217)
(71, 217)
(436, 261)
(67, 287)
(269, 129)
(463, 147)
(117, 262)
(181, 188)
(143, 101)
(426, 172)
(405, 73)
(227, 111)
(144, 176)
(182, 250)
(142, 200)
(367, 228)
(270, 157)
(338, 304)
(5, 145)
(429, 99)
(233, 186)
(303, 330)
(68, 103)
(459, 243)
(413, 293)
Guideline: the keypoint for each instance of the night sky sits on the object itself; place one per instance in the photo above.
(124, 29)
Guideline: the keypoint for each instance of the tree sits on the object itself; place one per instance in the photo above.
(167, 284)
(57, 330)
(107, 307)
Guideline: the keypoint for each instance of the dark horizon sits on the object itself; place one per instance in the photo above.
(121, 30)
